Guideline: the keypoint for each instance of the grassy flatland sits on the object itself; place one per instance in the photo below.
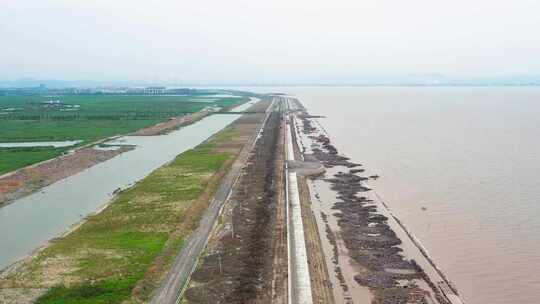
(111, 102)
(97, 116)
(14, 158)
(52, 130)
(84, 117)
(122, 253)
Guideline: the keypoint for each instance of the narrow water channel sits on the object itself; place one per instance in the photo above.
(55, 144)
(31, 221)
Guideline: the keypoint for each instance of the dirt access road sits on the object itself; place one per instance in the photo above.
(248, 257)
(245, 260)
(175, 282)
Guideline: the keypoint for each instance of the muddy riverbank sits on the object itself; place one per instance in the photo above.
(30, 179)
(172, 124)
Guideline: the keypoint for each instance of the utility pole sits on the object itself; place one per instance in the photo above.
(232, 222)
(219, 260)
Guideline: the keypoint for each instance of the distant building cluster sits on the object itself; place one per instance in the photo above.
(150, 90)
(154, 90)
(52, 103)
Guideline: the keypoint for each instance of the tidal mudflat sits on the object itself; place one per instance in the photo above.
(370, 256)
(458, 167)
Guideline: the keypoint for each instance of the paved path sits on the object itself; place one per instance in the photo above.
(299, 276)
(184, 265)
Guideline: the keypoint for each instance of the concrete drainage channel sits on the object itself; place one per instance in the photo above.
(299, 285)
(299, 278)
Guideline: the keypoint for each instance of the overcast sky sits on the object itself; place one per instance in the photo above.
(247, 41)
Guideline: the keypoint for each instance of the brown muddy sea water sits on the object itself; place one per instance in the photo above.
(459, 166)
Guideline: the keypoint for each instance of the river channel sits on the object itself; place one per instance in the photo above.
(31, 221)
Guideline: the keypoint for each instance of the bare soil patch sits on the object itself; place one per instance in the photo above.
(30, 179)
(171, 124)
(238, 264)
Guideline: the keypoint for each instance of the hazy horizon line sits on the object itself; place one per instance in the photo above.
(411, 80)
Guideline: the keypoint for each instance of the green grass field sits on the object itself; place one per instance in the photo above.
(120, 254)
(84, 117)
(107, 104)
(14, 158)
(51, 130)
(96, 117)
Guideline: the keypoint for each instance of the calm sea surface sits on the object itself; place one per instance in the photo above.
(470, 156)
